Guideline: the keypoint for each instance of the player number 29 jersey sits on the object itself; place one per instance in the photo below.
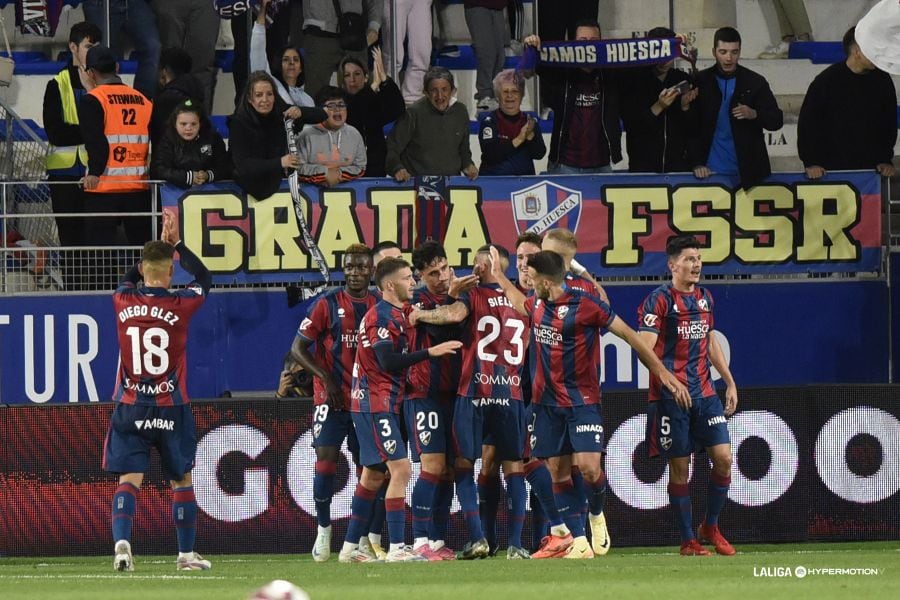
(496, 342)
(683, 323)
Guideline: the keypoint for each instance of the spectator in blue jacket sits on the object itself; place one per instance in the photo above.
(510, 140)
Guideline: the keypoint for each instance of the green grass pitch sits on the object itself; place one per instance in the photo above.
(757, 571)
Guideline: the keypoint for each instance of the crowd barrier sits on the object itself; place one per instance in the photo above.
(816, 463)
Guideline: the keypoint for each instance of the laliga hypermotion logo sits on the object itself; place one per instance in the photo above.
(545, 205)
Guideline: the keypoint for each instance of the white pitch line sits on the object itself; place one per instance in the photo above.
(123, 577)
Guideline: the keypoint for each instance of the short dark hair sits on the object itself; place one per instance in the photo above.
(726, 34)
(435, 73)
(588, 23)
(82, 30)
(503, 252)
(330, 92)
(388, 267)
(549, 264)
(358, 249)
(426, 253)
(530, 237)
(678, 243)
(849, 40)
(157, 251)
(385, 245)
(176, 61)
(660, 32)
(352, 60)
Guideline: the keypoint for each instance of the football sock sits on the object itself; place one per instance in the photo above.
(597, 494)
(395, 511)
(538, 476)
(716, 496)
(538, 520)
(323, 490)
(580, 487)
(569, 502)
(443, 499)
(360, 510)
(680, 498)
(376, 523)
(465, 491)
(184, 511)
(124, 504)
(488, 501)
(515, 489)
(423, 503)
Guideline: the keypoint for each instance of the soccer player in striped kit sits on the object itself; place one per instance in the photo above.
(331, 325)
(676, 320)
(379, 381)
(489, 398)
(568, 425)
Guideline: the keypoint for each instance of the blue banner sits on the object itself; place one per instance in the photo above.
(786, 225)
(63, 349)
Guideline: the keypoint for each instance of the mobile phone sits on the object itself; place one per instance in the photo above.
(682, 86)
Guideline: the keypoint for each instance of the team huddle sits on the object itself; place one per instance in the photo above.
(507, 371)
(457, 369)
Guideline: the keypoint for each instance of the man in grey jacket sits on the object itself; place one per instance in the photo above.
(323, 51)
(432, 138)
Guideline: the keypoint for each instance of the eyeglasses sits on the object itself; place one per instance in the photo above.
(335, 106)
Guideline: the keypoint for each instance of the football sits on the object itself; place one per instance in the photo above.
(279, 589)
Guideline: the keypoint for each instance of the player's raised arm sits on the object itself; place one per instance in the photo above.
(651, 361)
(717, 358)
(188, 260)
(509, 288)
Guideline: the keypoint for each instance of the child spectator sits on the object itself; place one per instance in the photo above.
(190, 152)
(332, 151)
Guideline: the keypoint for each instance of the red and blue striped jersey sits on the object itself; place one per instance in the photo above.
(332, 323)
(152, 325)
(683, 323)
(566, 345)
(495, 344)
(577, 282)
(435, 379)
(374, 389)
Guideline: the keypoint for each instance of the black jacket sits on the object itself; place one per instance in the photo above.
(257, 143)
(175, 159)
(750, 89)
(848, 121)
(655, 143)
(174, 93)
(369, 112)
(562, 101)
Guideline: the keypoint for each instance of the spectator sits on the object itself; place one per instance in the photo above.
(432, 138)
(295, 381)
(793, 22)
(733, 106)
(414, 24)
(555, 25)
(332, 151)
(510, 140)
(68, 158)
(193, 26)
(656, 130)
(190, 151)
(487, 27)
(176, 85)
(258, 142)
(371, 107)
(321, 41)
(289, 77)
(385, 249)
(586, 136)
(116, 178)
(136, 18)
(848, 119)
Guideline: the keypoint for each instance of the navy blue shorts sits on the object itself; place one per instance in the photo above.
(673, 432)
(380, 438)
(331, 427)
(428, 427)
(559, 431)
(134, 429)
(468, 432)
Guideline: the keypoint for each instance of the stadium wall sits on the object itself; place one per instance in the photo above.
(816, 463)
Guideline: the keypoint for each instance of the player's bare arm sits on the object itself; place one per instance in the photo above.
(300, 352)
(651, 361)
(458, 285)
(717, 358)
(444, 348)
(442, 315)
(509, 288)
